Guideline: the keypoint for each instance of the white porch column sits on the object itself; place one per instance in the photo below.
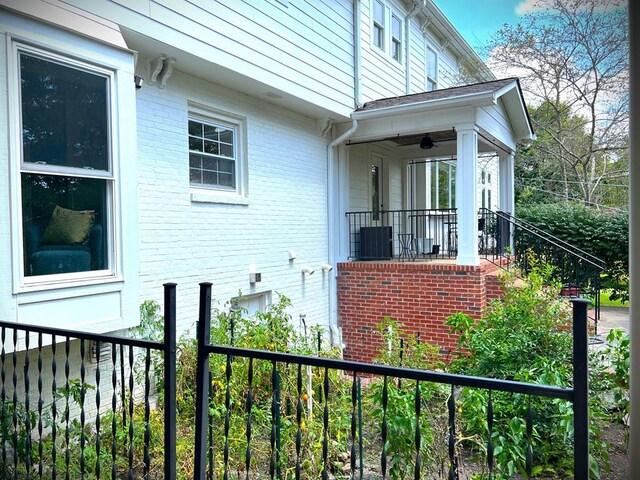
(466, 195)
(507, 198)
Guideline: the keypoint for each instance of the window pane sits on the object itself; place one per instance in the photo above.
(434, 185)
(211, 147)
(443, 185)
(195, 176)
(65, 119)
(210, 132)
(195, 128)
(396, 50)
(378, 39)
(378, 12)
(396, 27)
(65, 222)
(226, 150)
(195, 144)
(226, 135)
(452, 193)
(210, 177)
(432, 69)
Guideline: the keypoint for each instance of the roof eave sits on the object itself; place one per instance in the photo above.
(468, 100)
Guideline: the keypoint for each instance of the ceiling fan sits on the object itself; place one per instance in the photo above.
(427, 142)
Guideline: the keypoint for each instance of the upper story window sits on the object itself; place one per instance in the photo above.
(432, 69)
(66, 173)
(388, 40)
(378, 24)
(396, 38)
(213, 158)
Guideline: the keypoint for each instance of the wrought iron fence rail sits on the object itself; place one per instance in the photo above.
(457, 380)
(87, 336)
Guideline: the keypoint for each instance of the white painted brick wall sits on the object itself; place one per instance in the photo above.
(190, 242)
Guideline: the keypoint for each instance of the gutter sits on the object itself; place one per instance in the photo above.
(333, 232)
(357, 52)
(417, 6)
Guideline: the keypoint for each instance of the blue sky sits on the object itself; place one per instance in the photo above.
(479, 20)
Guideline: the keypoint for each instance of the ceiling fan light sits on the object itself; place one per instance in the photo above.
(426, 143)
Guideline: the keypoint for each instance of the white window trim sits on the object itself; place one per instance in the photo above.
(427, 78)
(386, 51)
(113, 273)
(213, 194)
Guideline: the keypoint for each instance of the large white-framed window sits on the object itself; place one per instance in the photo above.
(65, 165)
(216, 153)
(387, 30)
(431, 69)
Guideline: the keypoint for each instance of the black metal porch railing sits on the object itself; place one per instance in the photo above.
(266, 446)
(378, 235)
(54, 421)
(578, 271)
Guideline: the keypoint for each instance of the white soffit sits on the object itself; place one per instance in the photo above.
(63, 15)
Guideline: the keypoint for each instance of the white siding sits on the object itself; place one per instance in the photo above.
(304, 47)
(190, 242)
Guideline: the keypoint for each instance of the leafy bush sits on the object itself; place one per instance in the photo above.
(525, 337)
(602, 234)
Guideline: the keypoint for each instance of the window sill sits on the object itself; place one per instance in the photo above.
(219, 197)
(69, 284)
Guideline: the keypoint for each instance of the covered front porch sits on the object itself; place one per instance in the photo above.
(417, 177)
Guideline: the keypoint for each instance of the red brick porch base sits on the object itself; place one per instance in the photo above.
(420, 295)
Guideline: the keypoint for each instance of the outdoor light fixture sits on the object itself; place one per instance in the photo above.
(307, 270)
(326, 267)
(426, 143)
(138, 82)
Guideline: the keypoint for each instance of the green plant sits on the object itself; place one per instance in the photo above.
(525, 337)
(400, 348)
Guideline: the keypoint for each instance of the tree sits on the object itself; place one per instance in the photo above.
(572, 59)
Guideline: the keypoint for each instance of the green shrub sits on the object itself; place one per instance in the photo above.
(602, 234)
(525, 338)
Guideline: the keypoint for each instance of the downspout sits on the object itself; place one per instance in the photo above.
(407, 48)
(357, 53)
(333, 231)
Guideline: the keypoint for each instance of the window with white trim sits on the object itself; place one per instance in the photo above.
(214, 160)
(387, 40)
(431, 70)
(67, 180)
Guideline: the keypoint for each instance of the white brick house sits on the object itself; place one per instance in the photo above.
(231, 158)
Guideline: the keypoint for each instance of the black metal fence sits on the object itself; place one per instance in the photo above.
(263, 451)
(67, 403)
(403, 234)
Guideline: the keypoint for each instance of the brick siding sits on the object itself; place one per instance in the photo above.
(419, 295)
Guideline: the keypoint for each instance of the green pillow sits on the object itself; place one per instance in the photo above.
(68, 227)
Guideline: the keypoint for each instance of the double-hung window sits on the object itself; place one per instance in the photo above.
(213, 154)
(66, 170)
(396, 38)
(386, 30)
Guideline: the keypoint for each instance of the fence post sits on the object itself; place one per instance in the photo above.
(202, 378)
(580, 390)
(170, 381)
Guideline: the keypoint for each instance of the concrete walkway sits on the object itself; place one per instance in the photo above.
(613, 317)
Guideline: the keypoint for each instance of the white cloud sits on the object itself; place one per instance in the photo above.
(530, 6)
(533, 6)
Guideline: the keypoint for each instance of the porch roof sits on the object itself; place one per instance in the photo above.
(506, 91)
